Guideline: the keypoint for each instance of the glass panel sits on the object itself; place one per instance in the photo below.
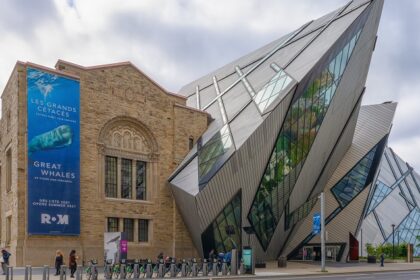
(143, 230)
(110, 176)
(227, 230)
(293, 144)
(112, 225)
(300, 213)
(140, 180)
(408, 230)
(354, 181)
(270, 91)
(212, 150)
(129, 229)
(126, 178)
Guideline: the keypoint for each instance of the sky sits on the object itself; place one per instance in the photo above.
(178, 41)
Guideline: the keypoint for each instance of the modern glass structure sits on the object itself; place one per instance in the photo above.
(393, 201)
(287, 125)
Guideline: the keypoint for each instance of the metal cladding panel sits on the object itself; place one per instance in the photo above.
(187, 206)
(347, 95)
(356, 3)
(243, 170)
(373, 124)
(346, 221)
(386, 175)
(413, 188)
(228, 69)
(386, 211)
(371, 233)
(310, 56)
(339, 151)
(260, 76)
(187, 178)
(301, 230)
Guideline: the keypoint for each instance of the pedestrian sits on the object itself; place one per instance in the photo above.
(5, 263)
(382, 259)
(72, 263)
(59, 261)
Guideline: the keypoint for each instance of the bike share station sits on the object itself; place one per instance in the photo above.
(117, 267)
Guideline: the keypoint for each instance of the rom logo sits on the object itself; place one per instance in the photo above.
(58, 219)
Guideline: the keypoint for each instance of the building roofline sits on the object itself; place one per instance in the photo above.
(51, 70)
(118, 64)
(193, 109)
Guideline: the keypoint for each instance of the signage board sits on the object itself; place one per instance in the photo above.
(53, 149)
(316, 223)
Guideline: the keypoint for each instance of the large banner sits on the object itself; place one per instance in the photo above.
(53, 154)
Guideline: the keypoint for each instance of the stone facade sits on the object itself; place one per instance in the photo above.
(123, 113)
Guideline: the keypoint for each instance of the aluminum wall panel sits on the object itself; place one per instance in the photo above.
(310, 56)
(386, 211)
(369, 233)
(187, 206)
(301, 230)
(253, 155)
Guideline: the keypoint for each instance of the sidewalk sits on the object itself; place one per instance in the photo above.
(310, 268)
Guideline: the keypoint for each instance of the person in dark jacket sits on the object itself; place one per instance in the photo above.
(6, 255)
(72, 263)
(59, 261)
(382, 259)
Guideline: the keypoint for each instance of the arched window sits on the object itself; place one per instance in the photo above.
(129, 153)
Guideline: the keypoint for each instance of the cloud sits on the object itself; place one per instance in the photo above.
(178, 41)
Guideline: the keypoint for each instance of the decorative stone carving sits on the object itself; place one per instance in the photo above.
(125, 137)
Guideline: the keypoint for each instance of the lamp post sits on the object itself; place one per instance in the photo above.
(393, 241)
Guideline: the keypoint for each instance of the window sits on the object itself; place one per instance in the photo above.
(301, 125)
(111, 176)
(9, 170)
(140, 180)
(225, 232)
(190, 142)
(126, 178)
(8, 229)
(129, 229)
(112, 225)
(355, 180)
(300, 213)
(143, 230)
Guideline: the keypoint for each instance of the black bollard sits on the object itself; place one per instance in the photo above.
(205, 268)
(28, 272)
(63, 269)
(149, 270)
(46, 273)
(136, 271)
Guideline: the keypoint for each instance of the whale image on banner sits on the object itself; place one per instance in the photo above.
(53, 154)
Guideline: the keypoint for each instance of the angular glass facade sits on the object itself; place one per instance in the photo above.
(355, 180)
(300, 213)
(208, 154)
(224, 233)
(408, 230)
(272, 89)
(381, 191)
(300, 128)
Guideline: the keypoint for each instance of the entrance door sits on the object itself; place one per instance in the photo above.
(354, 248)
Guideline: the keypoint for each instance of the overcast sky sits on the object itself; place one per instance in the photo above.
(177, 41)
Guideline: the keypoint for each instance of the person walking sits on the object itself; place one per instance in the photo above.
(72, 263)
(59, 261)
(5, 263)
(382, 259)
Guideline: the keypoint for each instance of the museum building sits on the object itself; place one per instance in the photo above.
(88, 150)
(237, 157)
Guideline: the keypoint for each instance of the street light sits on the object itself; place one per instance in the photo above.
(393, 241)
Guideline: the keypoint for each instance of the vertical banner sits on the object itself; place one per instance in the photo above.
(53, 154)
